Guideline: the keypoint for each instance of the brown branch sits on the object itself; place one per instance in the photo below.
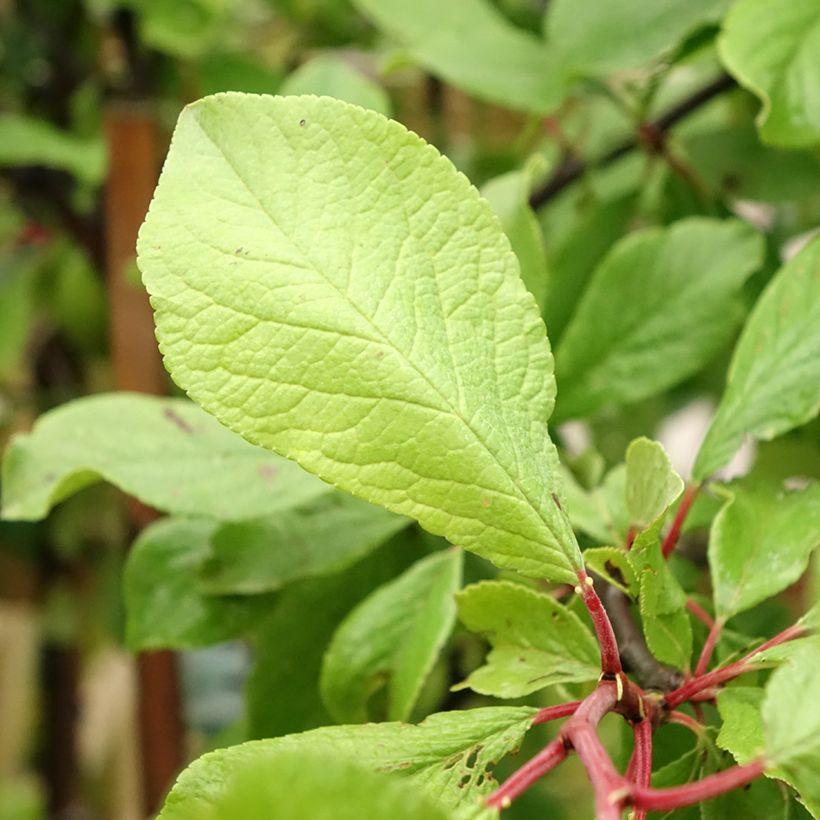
(650, 135)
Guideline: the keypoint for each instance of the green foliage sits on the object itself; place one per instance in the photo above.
(364, 361)
(392, 638)
(651, 483)
(536, 641)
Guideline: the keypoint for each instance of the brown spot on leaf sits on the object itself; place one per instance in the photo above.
(177, 420)
(268, 472)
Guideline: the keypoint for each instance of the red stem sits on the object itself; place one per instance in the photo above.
(695, 685)
(641, 762)
(546, 760)
(679, 796)
(709, 647)
(700, 613)
(680, 516)
(610, 656)
(682, 719)
(555, 712)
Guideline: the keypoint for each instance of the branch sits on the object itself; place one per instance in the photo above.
(640, 766)
(573, 169)
(610, 656)
(555, 712)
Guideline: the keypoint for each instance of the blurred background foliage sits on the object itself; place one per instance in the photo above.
(627, 121)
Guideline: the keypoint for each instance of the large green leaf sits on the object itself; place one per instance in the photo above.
(469, 44)
(330, 76)
(651, 483)
(164, 605)
(773, 49)
(449, 755)
(761, 541)
(297, 784)
(658, 306)
(536, 642)
(330, 287)
(774, 378)
(742, 729)
(165, 452)
(323, 536)
(392, 638)
(599, 38)
(791, 720)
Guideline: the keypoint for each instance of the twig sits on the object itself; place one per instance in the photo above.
(545, 761)
(555, 712)
(641, 762)
(573, 168)
(682, 719)
(709, 647)
(680, 516)
(700, 613)
(610, 656)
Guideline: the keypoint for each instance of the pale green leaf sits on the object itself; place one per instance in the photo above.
(742, 729)
(761, 541)
(651, 484)
(470, 45)
(659, 305)
(774, 379)
(399, 357)
(297, 784)
(791, 720)
(449, 755)
(326, 535)
(536, 641)
(612, 564)
(165, 608)
(773, 49)
(330, 76)
(165, 452)
(392, 638)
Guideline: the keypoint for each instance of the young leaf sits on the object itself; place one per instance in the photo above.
(658, 307)
(774, 378)
(400, 357)
(472, 46)
(326, 535)
(165, 452)
(331, 76)
(774, 50)
(393, 637)
(448, 756)
(761, 541)
(165, 608)
(791, 721)
(294, 784)
(536, 642)
(612, 564)
(651, 483)
(742, 729)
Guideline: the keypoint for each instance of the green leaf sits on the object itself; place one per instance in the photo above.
(791, 720)
(297, 784)
(330, 76)
(392, 638)
(400, 357)
(17, 303)
(761, 541)
(774, 50)
(774, 379)
(600, 38)
(165, 452)
(30, 141)
(599, 512)
(165, 608)
(508, 196)
(323, 536)
(651, 484)
(742, 729)
(470, 45)
(449, 755)
(612, 564)
(658, 307)
(536, 642)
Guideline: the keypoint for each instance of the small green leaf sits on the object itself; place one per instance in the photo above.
(774, 50)
(613, 565)
(165, 452)
(297, 784)
(400, 358)
(326, 535)
(471, 45)
(761, 541)
(165, 608)
(448, 756)
(392, 638)
(651, 484)
(536, 642)
(659, 305)
(330, 76)
(791, 720)
(774, 379)
(742, 729)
